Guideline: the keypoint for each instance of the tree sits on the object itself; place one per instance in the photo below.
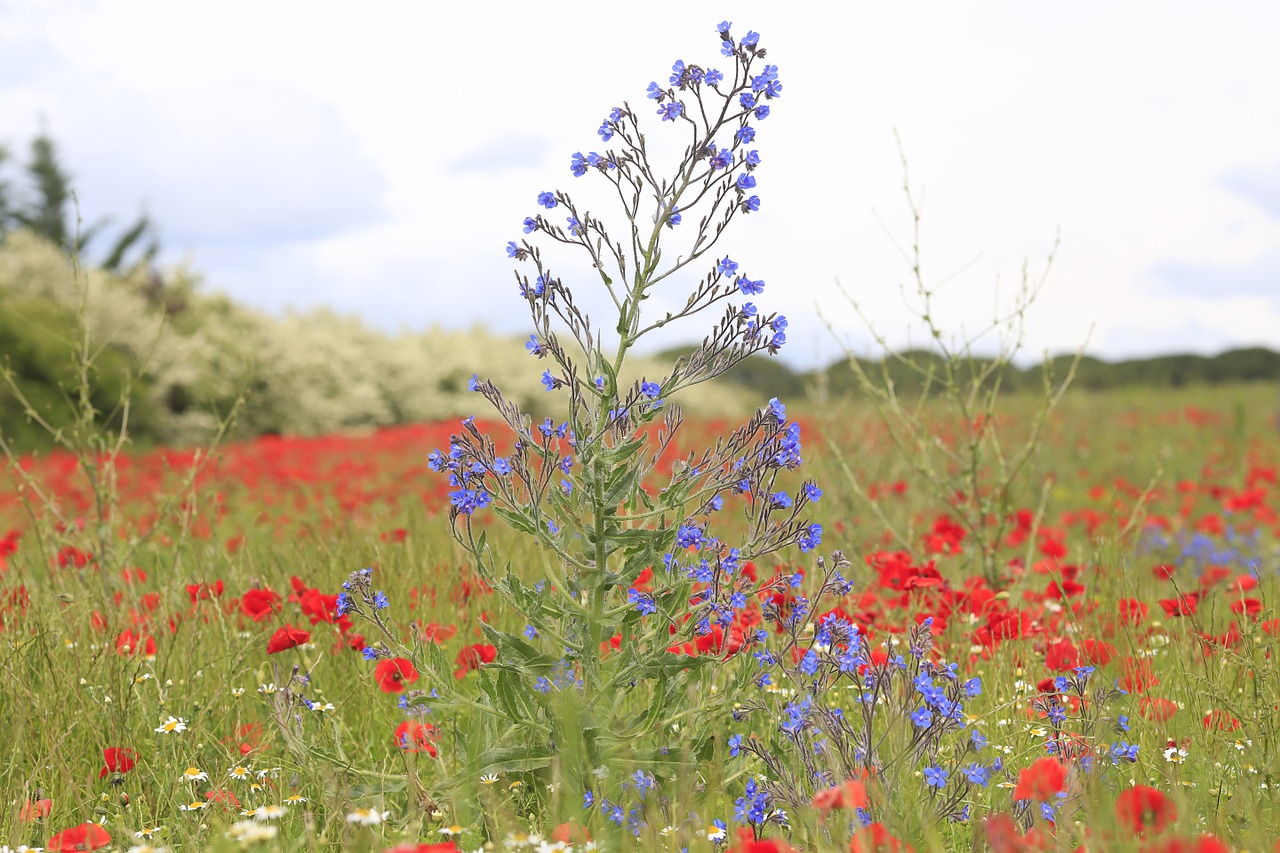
(46, 214)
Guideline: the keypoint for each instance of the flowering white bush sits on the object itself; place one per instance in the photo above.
(307, 372)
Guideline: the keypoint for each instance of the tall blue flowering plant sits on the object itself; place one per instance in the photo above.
(591, 682)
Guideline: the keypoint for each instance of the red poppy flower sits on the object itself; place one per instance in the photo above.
(1138, 675)
(438, 634)
(199, 591)
(470, 657)
(1221, 720)
(1247, 607)
(440, 847)
(36, 809)
(874, 838)
(260, 604)
(286, 638)
(1141, 808)
(851, 795)
(129, 643)
(1041, 781)
(1097, 652)
(570, 833)
(118, 759)
(1061, 656)
(1183, 605)
(1003, 837)
(1203, 844)
(86, 836)
(394, 673)
(1157, 709)
(412, 736)
(747, 843)
(1133, 611)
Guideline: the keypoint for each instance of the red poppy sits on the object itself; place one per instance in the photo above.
(1141, 808)
(1061, 656)
(438, 634)
(1183, 605)
(412, 736)
(439, 847)
(1221, 720)
(748, 843)
(118, 759)
(1133, 611)
(36, 809)
(1097, 652)
(1157, 709)
(1202, 844)
(851, 795)
(1003, 837)
(286, 638)
(392, 674)
(1041, 781)
(470, 657)
(570, 833)
(1138, 675)
(86, 836)
(1247, 607)
(129, 643)
(199, 591)
(874, 838)
(260, 604)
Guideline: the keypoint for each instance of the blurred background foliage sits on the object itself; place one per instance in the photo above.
(182, 355)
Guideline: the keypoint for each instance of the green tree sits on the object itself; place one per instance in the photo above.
(46, 212)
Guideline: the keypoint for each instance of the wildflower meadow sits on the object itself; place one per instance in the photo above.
(956, 621)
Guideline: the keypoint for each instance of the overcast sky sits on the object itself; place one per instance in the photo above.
(377, 157)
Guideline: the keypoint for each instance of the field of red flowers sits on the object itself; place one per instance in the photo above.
(180, 670)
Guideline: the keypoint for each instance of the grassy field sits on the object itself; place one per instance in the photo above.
(177, 672)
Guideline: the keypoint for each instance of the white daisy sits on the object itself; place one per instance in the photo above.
(171, 725)
(367, 817)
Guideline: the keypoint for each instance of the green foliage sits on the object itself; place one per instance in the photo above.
(46, 213)
(37, 355)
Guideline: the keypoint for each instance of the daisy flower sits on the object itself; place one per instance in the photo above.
(266, 813)
(171, 725)
(247, 832)
(197, 806)
(367, 817)
(194, 774)
(295, 798)
(489, 779)
(239, 772)
(148, 831)
(268, 689)
(451, 830)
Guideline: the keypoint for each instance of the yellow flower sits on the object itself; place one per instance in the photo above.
(451, 830)
(239, 772)
(196, 806)
(489, 779)
(194, 774)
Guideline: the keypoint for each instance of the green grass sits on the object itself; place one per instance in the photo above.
(319, 510)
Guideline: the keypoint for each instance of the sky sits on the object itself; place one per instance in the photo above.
(377, 158)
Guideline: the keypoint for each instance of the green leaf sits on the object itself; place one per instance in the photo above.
(503, 759)
(529, 660)
(516, 520)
